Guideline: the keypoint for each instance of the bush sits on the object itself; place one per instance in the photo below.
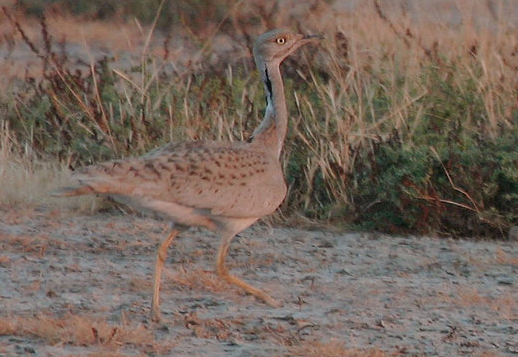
(461, 189)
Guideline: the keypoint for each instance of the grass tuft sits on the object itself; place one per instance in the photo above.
(78, 331)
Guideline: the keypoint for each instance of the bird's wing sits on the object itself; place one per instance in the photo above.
(226, 179)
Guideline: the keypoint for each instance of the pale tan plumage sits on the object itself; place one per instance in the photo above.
(222, 186)
(215, 178)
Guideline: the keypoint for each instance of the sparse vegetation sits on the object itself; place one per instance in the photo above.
(82, 331)
(396, 126)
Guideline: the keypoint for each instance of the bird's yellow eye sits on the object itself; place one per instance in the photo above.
(280, 40)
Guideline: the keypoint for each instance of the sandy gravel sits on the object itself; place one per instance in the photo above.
(344, 294)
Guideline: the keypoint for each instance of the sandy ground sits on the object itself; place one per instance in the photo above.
(80, 285)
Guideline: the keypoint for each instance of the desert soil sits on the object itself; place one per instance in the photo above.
(80, 285)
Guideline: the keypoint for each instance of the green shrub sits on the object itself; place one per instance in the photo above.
(463, 189)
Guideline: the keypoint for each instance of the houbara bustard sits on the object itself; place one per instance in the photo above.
(222, 186)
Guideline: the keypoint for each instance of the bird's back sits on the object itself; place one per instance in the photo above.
(219, 178)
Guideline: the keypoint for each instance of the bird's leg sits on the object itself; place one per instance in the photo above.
(161, 256)
(222, 271)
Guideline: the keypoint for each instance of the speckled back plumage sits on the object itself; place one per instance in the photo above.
(225, 179)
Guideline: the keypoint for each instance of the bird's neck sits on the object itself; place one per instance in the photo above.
(271, 132)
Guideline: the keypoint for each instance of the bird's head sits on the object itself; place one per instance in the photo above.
(274, 46)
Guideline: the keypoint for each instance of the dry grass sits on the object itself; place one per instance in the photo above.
(27, 181)
(373, 44)
(80, 331)
(334, 348)
(189, 277)
(209, 328)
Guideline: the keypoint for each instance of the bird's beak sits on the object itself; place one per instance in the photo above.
(317, 37)
(310, 38)
(304, 39)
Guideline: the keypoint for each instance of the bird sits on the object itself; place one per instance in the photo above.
(222, 186)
